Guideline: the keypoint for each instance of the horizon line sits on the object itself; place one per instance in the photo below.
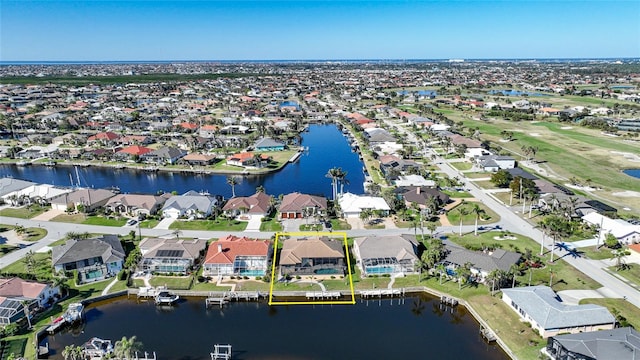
(324, 60)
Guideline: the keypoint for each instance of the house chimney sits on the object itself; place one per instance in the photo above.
(219, 248)
(418, 190)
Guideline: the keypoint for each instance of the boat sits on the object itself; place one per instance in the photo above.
(23, 163)
(50, 163)
(97, 348)
(166, 298)
(71, 316)
(221, 352)
(150, 168)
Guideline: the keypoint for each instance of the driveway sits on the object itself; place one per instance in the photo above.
(165, 223)
(254, 223)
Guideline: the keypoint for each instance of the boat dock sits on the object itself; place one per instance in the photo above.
(366, 294)
(72, 315)
(221, 352)
(448, 301)
(321, 295)
(226, 297)
(487, 334)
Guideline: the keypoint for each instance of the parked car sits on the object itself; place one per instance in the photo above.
(132, 222)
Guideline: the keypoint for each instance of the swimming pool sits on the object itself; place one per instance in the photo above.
(326, 271)
(251, 272)
(379, 270)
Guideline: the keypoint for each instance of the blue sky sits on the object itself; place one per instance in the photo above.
(267, 30)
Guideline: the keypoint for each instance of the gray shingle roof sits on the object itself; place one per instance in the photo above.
(9, 185)
(394, 246)
(497, 259)
(543, 306)
(107, 247)
(619, 344)
(190, 200)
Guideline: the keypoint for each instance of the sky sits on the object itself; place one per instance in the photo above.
(307, 30)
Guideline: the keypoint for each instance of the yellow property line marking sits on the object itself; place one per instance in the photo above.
(329, 302)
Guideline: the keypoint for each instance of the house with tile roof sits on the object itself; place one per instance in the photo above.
(245, 207)
(198, 159)
(247, 159)
(88, 199)
(15, 291)
(176, 256)
(232, 255)
(131, 152)
(94, 259)
(312, 256)
(392, 254)
(543, 309)
(297, 205)
(135, 204)
(164, 155)
(107, 138)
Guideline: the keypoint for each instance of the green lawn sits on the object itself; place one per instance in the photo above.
(70, 218)
(171, 282)
(600, 254)
(209, 225)
(339, 224)
(15, 345)
(272, 224)
(206, 286)
(565, 276)
(5, 249)
(118, 286)
(42, 268)
(23, 212)
(477, 175)
(463, 165)
(489, 216)
(311, 227)
(103, 221)
(458, 194)
(626, 309)
(631, 273)
(149, 223)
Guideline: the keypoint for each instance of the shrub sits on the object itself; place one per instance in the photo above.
(298, 277)
(258, 278)
(245, 277)
(201, 279)
(332, 277)
(265, 279)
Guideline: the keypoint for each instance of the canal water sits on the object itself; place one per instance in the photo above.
(633, 172)
(416, 328)
(327, 148)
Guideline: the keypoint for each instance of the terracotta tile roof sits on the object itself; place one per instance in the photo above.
(135, 150)
(16, 287)
(226, 249)
(104, 136)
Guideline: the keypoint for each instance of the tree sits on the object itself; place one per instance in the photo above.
(431, 226)
(233, 181)
(478, 211)
(442, 270)
(336, 175)
(462, 211)
(125, 348)
(611, 241)
(521, 186)
(374, 189)
(27, 312)
(618, 255)
(464, 272)
(501, 178)
(365, 215)
(557, 228)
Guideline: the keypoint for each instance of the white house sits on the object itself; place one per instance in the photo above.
(541, 307)
(625, 232)
(352, 205)
(190, 203)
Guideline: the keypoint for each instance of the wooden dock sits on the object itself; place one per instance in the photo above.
(313, 295)
(487, 334)
(448, 301)
(226, 297)
(366, 294)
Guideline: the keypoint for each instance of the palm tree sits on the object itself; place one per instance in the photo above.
(431, 226)
(619, 255)
(477, 210)
(68, 352)
(442, 270)
(233, 181)
(462, 211)
(25, 308)
(492, 278)
(334, 174)
(125, 348)
(513, 271)
(463, 274)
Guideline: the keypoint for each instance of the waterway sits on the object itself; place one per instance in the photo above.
(327, 148)
(633, 172)
(417, 328)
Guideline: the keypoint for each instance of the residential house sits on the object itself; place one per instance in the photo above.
(198, 159)
(392, 165)
(40, 193)
(625, 232)
(175, 256)
(378, 135)
(297, 206)
(413, 180)
(188, 204)
(619, 344)
(352, 205)
(232, 255)
(135, 204)
(164, 155)
(131, 153)
(247, 159)
(482, 262)
(268, 144)
(94, 259)
(85, 200)
(391, 254)
(103, 138)
(543, 309)
(312, 256)
(258, 204)
(495, 162)
(11, 186)
(422, 196)
(14, 292)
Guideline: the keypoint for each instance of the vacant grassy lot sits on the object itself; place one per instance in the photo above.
(631, 273)
(626, 309)
(70, 218)
(210, 225)
(22, 212)
(149, 223)
(488, 215)
(105, 221)
(171, 282)
(463, 165)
